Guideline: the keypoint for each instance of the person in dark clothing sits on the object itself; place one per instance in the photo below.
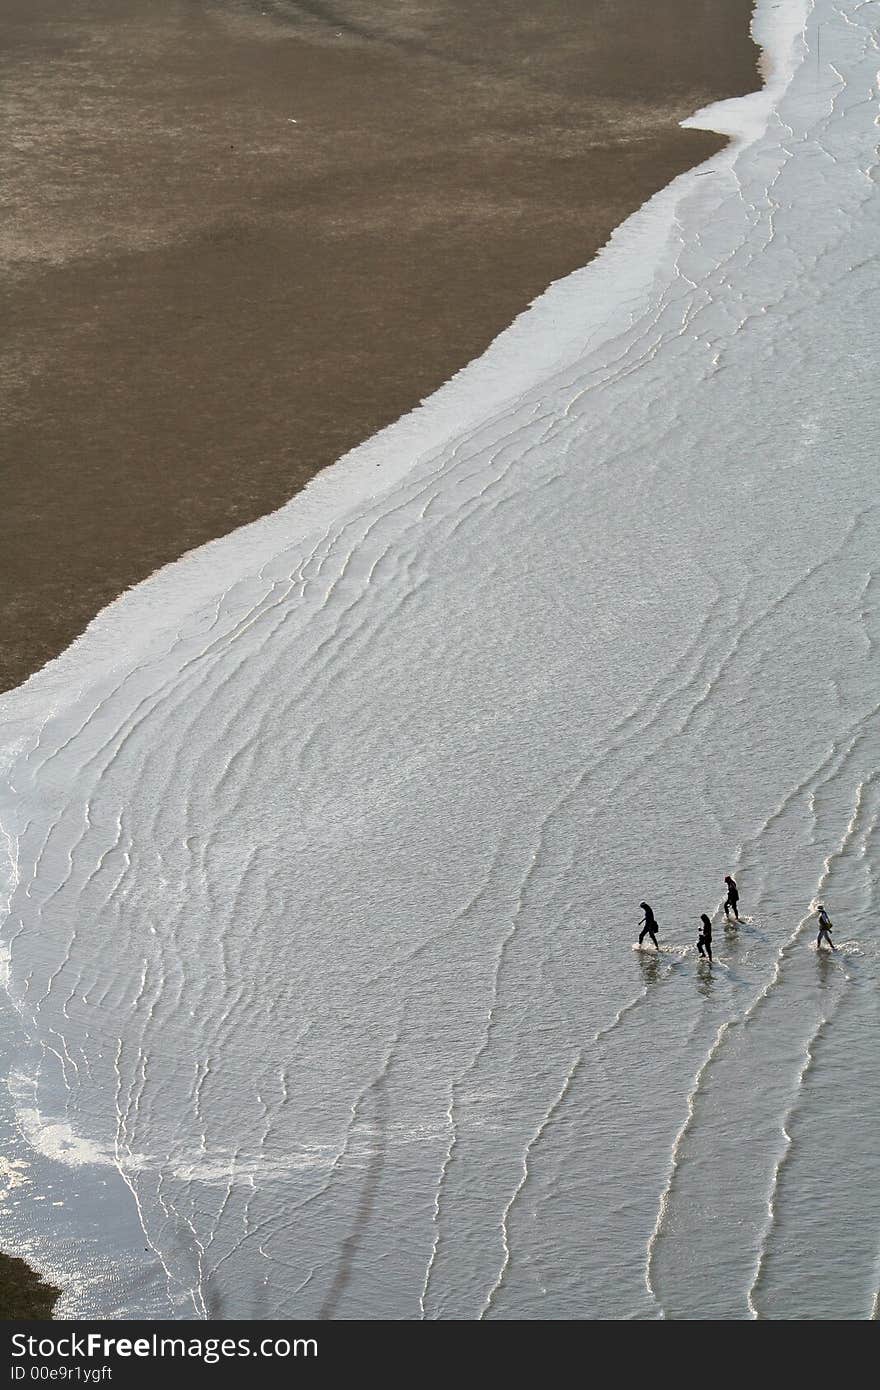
(825, 926)
(704, 940)
(732, 901)
(648, 925)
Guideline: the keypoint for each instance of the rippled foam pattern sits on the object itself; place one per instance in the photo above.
(325, 847)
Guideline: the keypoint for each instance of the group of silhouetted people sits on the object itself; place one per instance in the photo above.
(731, 909)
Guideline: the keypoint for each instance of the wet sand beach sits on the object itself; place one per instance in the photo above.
(24, 1294)
(240, 238)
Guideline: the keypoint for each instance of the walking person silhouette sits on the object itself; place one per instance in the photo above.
(648, 925)
(825, 927)
(704, 940)
(732, 901)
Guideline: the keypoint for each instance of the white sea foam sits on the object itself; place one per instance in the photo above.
(322, 849)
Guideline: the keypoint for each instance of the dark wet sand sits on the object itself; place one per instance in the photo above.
(23, 1294)
(204, 302)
